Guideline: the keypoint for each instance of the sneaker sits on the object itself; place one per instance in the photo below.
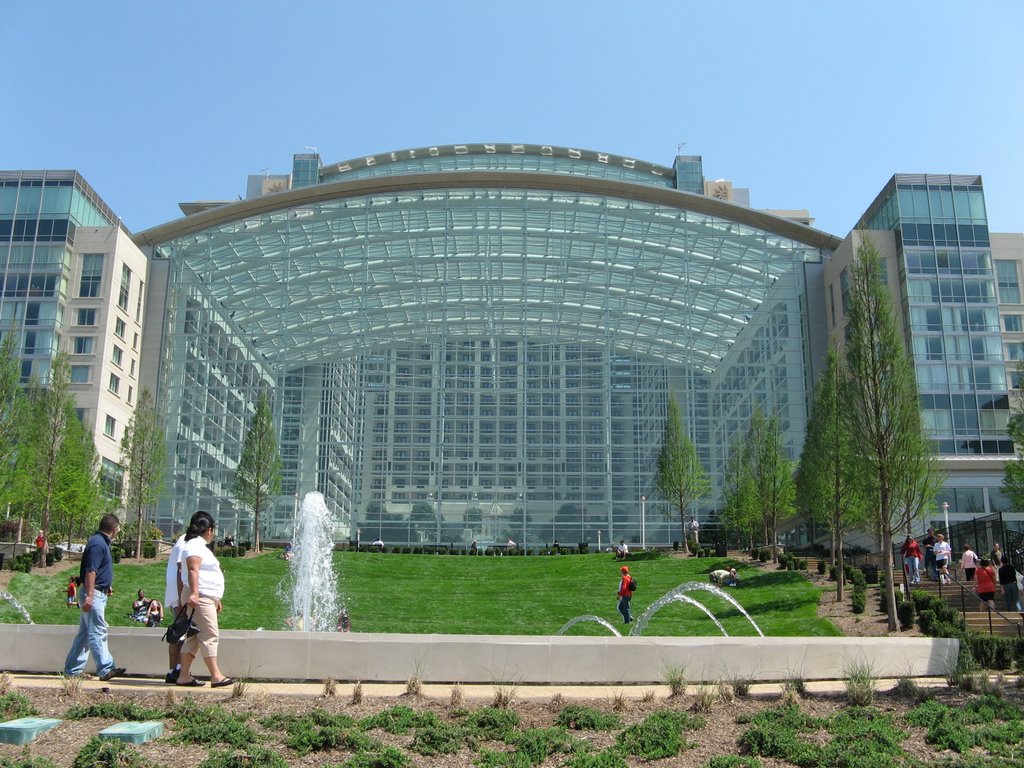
(172, 677)
(115, 672)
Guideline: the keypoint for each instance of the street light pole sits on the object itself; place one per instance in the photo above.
(643, 522)
(945, 516)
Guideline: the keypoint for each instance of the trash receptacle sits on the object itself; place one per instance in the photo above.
(721, 550)
(870, 573)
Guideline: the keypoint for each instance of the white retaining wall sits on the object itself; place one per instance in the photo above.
(512, 659)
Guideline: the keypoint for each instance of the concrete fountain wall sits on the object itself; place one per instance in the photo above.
(372, 657)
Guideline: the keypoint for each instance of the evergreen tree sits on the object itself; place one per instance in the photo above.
(882, 408)
(680, 478)
(258, 476)
(144, 454)
(828, 479)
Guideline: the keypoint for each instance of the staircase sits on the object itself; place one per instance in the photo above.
(976, 614)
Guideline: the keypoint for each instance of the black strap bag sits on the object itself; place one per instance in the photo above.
(181, 628)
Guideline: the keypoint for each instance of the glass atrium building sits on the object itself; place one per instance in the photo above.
(478, 341)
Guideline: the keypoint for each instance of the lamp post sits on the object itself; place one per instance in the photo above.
(945, 516)
(643, 522)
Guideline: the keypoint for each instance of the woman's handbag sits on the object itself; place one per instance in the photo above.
(181, 628)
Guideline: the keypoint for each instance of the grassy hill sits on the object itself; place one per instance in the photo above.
(471, 595)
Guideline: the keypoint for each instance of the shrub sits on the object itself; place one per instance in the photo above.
(822, 566)
(116, 553)
(438, 739)
(398, 720)
(858, 600)
(833, 573)
(14, 705)
(115, 710)
(211, 725)
(659, 735)
(98, 753)
(609, 758)
(385, 757)
(732, 761)
(579, 718)
(764, 555)
(149, 550)
(905, 612)
(259, 757)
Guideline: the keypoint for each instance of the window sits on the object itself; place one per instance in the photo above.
(131, 370)
(1012, 323)
(119, 328)
(138, 302)
(135, 341)
(86, 317)
(126, 284)
(110, 426)
(114, 384)
(83, 345)
(79, 374)
(92, 275)
(1009, 286)
(117, 356)
(131, 394)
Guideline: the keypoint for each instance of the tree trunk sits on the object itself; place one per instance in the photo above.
(256, 529)
(841, 580)
(890, 582)
(138, 533)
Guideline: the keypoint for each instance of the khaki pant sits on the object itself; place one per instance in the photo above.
(205, 618)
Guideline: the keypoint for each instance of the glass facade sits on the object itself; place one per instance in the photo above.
(39, 212)
(952, 308)
(476, 363)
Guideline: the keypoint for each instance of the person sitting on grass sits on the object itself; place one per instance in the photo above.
(723, 577)
(140, 608)
(155, 614)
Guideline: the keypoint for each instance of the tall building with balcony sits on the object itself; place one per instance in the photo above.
(73, 280)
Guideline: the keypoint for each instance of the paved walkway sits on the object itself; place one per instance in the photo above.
(477, 693)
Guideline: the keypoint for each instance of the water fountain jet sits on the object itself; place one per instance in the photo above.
(312, 586)
(17, 606)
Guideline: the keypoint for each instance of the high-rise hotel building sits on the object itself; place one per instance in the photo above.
(74, 280)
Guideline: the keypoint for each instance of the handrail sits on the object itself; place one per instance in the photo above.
(963, 606)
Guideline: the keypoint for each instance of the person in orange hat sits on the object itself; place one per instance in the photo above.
(626, 587)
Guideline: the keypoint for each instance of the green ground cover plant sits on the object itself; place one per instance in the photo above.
(581, 718)
(259, 757)
(14, 705)
(475, 599)
(115, 710)
(196, 724)
(659, 735)
(99, 753)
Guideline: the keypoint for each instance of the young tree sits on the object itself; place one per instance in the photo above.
(828, 478)
(78, 496)
(680, 478)
(739, 510)
(10, 410)
(1013, 472)
(258, 476)
(881, 401)
(423, 518)
(144, 454)
(771, 473)
(45, 427)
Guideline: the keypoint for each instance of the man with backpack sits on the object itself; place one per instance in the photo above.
(627, 586)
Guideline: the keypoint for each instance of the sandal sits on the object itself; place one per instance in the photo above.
(225, 682)
(193, 683)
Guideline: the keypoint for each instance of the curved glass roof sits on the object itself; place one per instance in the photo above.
(313, 281)
(501, 157)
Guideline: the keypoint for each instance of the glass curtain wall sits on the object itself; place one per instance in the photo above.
(476, 364)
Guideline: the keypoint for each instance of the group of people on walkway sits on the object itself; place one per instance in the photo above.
(194, 585)
(934, 555)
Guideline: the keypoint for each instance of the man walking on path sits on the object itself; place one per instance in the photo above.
(97, 574)
(625, 593)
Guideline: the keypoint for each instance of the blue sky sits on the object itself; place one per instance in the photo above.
(809, 104)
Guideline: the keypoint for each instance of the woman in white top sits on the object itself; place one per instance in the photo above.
(943, 554)
(201, 592)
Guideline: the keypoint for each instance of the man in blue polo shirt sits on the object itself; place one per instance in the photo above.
(97, 574)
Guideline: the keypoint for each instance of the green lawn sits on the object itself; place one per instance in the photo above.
(472, 595)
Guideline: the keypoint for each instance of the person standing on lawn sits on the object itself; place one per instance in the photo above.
(625, 593)
(97, 575)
